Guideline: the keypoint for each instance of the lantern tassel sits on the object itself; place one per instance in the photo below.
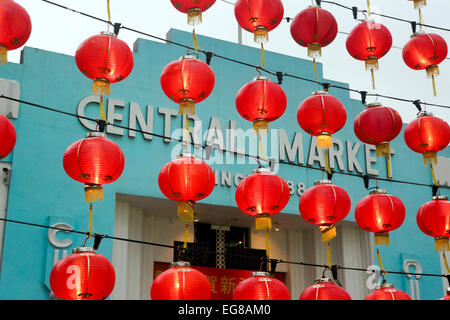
(382, 238)
(90, 220)
(329, 255)
(442, 244)
(379, 262)
(93, 193)
(195, 40)
(383, 149)
(262, 55)
(263, 222)
(315, 68)
(102, 109)
(194, 16)
(186, 235)
(185, 211)
(101, 87)
(324, 141)
(328, 233)
(261, 34)
(267, 243)
(187, 107)
(327, 162)
(260, 126)
(429, 157)
(3, 55)
(372, 65)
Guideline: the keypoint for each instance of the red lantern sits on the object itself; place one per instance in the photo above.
(261, 101)
(15, 28)
(186, 180)
(387, 291)
(427, 135)
(84, 275)
(105, 59)
(314, 28)
(187, 81)
(433, 219)
(324, 289)
(262, 194)
(8, 136)
(193, 9)
(180, 282)
(259, 16)
(324, 204)
(378, 125)
(447, 296)
(369, 41)
(419, 3)
(380, 213)
(425, 51)
(261, 286)
(94, 161)
(321, 115)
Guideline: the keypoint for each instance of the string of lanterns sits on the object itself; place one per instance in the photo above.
(96, 160)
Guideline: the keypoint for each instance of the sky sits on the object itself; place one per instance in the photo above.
(59, 30)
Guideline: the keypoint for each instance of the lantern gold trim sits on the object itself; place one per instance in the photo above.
(101, 87)
(93, 192)
(194, 16)
(261, 34)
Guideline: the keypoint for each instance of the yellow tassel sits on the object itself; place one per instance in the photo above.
(261, 149)
(329, 255)
(433, 176)
(327, 162)
(90, 220)
(419, 4)
(324, 141)
(187, 107)
(328, 233)
(261, 34)
(195, 40)
(267, 242)
(93, 193)
(109, 10)
(262, 55)
(186, 235)
(315, 68)
(382, 238)
(101, 87)
(429, 158)
(383, 149)
(3, 54)
(185, 211)
(263, 222)
(314, 50)
(442, 244)
(194, 16)
(388, 166)
(379, 261)
(260, 126)
(445, 262)
(102, 109)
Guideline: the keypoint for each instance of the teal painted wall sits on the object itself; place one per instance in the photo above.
(40, 190)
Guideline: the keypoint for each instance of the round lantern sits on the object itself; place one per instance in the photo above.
(324, 204)
(433, 219)
(8, 136)
(419, 3)
(427, 135)
(380, 213)
(261, 286)
(447, 296)
(186, 180)
(84, 275)
(261, 101)
(15, 28)
(314, 28)
(105, 59)
(378, 125)
(369, 41)
(425, 51)
(180, 282)
(193, 9)
(262, 194)
(386, 291)
(94, 161)
(187, 81)
(259, 16)
(321, 115)
(324, 289)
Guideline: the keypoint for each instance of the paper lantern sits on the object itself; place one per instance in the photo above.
(314, 28)
(105, 59)
(7, 136)
(262, 194)
(324, 289)
(15, 28)
(187, 81)
(261, 286)
(380, 213)
(94, 161)
(419, 3)
(447, 296)
(193, 9)
(84, 275)
(261, 101)
(369, 41)
(425, 51)
(427, 135)
(180, 282)
(324, 204)
(433, 219)
(386, 291)
(321, 115)
(259, 17)
(378, 125)
(186, 180)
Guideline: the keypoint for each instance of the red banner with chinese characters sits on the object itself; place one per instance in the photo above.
(222, 281)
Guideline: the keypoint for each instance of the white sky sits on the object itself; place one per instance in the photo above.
(59, 30)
